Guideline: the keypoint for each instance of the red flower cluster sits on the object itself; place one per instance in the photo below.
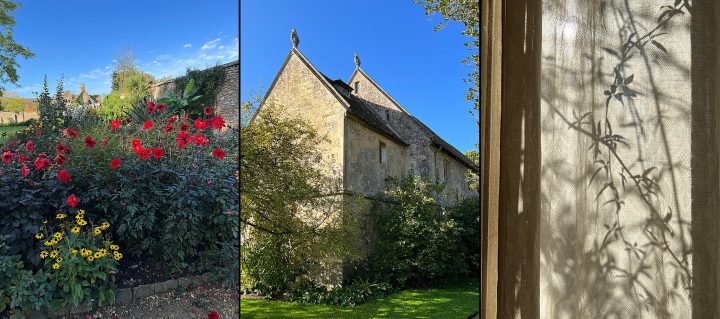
(152, 107)
(115, 124)
(89, 142)
(72, 200)
(115, 163)
(64, 176)
(42, 162)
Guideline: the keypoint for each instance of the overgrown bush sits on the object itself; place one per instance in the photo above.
(21, 289)
(418, 240)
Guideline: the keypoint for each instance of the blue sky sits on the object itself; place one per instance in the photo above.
(398, 48)
(79, 38)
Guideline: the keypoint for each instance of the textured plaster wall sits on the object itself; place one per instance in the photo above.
(365, 173)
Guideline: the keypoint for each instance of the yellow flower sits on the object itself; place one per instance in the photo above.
(84, 252)
(90, 258)
(60, 216)
(114, 247)
(82, 222)
(39, 236)
(59, 259)
(96, 231)
(97, 255)
(57, 235)
(105, 225)
(53, 254)
(73, 250)
(56, 266)
(43, 254)
(44, 221)
(102, 251)
(75, 229)
(117, 256)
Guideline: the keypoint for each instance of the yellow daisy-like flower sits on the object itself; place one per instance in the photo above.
(82, 222)
(117, 256)
(105, 225)
(43, 254)
(60, 216)
(57, 235)
(59, 259)
(73, 251)
(97, 255)
(102, 251)
(114, 247)
(90, 258)
(48, 243)
(96, 231)
(39, 236)
(84, 252)
(75, 230)
(53, 254)
(56, 266)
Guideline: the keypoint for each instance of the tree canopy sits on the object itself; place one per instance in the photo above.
(9, 49)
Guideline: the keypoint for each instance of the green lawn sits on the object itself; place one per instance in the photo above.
(8, 130)
(457, 300)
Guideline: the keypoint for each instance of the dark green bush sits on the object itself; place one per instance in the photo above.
(21, 290)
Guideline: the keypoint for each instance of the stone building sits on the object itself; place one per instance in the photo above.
(370, 135)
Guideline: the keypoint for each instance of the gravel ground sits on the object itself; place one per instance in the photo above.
(192, 302)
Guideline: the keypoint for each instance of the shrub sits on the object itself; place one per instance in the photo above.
(21, 290)
(417, 240)
(80, 257)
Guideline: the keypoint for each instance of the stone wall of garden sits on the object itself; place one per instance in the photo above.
(227, 101)
(16, 117)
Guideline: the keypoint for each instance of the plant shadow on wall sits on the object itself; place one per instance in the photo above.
(615, 228)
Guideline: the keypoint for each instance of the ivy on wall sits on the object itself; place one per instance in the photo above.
(209, 81)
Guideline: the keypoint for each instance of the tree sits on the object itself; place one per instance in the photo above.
(472, 177)
(125, 65)
(290, 227)
(466, 12)
(9, 49)
(45, 104)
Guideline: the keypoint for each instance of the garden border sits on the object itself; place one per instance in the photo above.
(127, 295)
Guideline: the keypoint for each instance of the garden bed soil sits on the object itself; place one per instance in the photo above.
(134, 272)
(191, 302)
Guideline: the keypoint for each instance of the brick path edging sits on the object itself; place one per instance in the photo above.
(127, 295)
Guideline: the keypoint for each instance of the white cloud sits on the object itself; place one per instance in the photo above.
(188, 45)
(210, 44)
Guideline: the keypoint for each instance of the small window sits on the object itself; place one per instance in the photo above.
(357, 87)
(383, 153)
(387, 115)
(446, 169)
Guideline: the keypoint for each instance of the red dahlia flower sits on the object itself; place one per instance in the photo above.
(29, 146)
(60, 159)
(185, 117)
(168, 128)
(144, 153)
(24, 171)
(64, 176)
(7, 157)
(199, 139)
(160, 107)
(22, 158)
(182, 139)
(148, 125)
(89, 142)
(115, 124)
(200, 124)
(213, 315)
(115, 163)
(209, 110)
(70, 132)
(150, 107)
(62, 148)
(184, 127)
(172, 119)
(42, 162)
(219, 153)
(72, 200)
(104, 141)
(136, 145)
(218, 122)
(158, 152)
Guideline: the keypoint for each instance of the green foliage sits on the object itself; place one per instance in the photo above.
(113, 106)
(290, 229)
(418, 241)
(80, 257)
(21, 290)
(207, 84)
(471, 177)
(360, 291)
(9, 49)
(16, 104)
(52, 110)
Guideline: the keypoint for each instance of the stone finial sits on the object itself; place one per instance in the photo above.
(294, 38)
(357, 60)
